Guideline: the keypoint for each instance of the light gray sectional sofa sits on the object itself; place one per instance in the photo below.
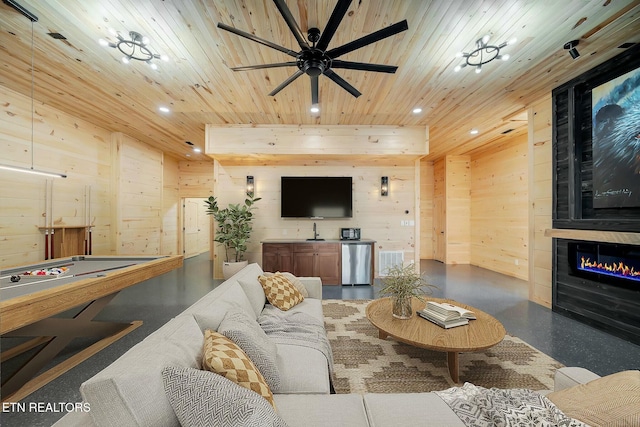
(130, 392)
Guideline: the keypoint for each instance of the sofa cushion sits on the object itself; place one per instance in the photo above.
(249, 336)
(224, 357)
(201, 398)
(409, 409)
(251, 286)
(210, 315)
(294, 281)
(335, 410)
(129, 392)
(280, 292)
(303, 370)
(310, 306)
(228, 292)
(613, 400)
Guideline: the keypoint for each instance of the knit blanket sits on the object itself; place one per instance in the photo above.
(481, 407)
(297, 329)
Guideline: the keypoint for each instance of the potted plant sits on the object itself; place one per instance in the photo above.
(233, 231)
(403, 284)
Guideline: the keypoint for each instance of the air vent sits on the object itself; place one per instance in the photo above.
(507, 131)
(626, 45)
(57, 36)
(389, 259)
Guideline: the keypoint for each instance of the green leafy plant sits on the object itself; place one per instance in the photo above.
(405, 282)
(233, 225)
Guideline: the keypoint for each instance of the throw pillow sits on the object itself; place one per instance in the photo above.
(280, 292)
(247, 333)
(613, 400)
(204, 399)
(294, 281)
(224, 357)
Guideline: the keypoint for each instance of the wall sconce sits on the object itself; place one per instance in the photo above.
(384, 186)
(250, 185)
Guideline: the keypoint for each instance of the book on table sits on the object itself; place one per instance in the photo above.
(446, 311)
(446, 324)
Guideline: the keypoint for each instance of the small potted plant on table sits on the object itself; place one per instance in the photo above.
(233, 230)
(402, 284)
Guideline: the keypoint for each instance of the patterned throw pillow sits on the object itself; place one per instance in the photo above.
(204, 399)
(224, 357)
(280, 291)
(294, 281)
(245, 331)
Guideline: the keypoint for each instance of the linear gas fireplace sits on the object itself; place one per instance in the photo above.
(606, 262)
(599, 284)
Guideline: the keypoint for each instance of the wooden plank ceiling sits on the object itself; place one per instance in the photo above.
(87, 80)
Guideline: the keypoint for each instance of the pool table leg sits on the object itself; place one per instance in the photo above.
(63, 332)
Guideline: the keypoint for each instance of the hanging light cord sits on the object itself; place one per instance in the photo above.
(32, 95)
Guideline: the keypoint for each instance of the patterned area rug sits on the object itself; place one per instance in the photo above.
(364, 363)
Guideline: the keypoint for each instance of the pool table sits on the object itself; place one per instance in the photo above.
(28, 302)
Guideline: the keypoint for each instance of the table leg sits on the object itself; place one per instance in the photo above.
(453, 363)
(382, 334)
(63, 332)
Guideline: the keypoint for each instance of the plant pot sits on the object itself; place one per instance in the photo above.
(231, 268)
(401, 308)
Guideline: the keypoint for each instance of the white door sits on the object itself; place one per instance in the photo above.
(195, 227)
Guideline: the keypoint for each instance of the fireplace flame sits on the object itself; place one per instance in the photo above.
(615, 268)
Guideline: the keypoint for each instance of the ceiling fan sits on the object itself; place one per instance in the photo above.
(314, 59)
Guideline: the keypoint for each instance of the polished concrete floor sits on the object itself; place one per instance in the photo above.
(158, 300)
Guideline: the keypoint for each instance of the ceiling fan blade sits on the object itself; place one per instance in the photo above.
(363, 66)
(291, 22)
(334, 21)
(256, 39)
(368, 39)
(342, 83)
(259, 67)
(314, 90)
(286, 82)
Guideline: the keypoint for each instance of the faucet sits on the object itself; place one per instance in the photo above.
(315, 235)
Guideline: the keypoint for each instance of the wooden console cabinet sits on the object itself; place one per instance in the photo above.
(304, 259)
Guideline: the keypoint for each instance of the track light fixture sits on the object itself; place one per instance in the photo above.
(571, 47)
(483, 54)
(137, 47)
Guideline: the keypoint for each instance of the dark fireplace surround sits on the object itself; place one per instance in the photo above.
(593, 295)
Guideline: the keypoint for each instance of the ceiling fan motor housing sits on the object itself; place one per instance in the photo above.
(313, 62)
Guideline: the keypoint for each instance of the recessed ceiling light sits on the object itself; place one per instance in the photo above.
(164, 109)
(197, 150)
(473, 131)
(417, 110)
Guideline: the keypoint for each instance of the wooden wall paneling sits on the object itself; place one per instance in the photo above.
(499, 196)
(238, 144)
(378, 217)
(458, 209)
(439, 212)
(171, 211)
(540, 201)
(61, 143)
(426, 209)
(139, 198)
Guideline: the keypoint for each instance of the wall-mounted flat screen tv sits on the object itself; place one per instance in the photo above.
(316, 197)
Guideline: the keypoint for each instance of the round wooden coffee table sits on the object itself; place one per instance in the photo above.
(479, 334)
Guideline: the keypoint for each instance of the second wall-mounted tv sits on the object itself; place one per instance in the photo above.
(316, 197)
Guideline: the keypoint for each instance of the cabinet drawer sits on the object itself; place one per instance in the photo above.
(316, 247)
(279, 248)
